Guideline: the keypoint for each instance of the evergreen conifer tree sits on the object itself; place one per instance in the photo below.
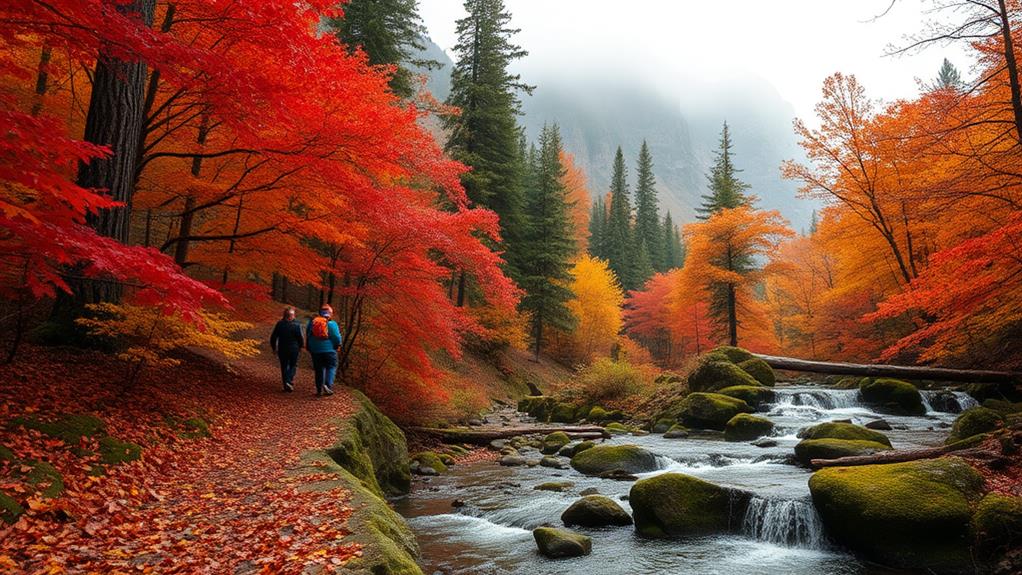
(548, 243)
(597, 224)
(618, 247)
(726, 189)
(485, 134)
(647, 215)
(948, 77)
(670, 244)
(390, 32)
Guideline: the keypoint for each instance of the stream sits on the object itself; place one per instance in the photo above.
(780, 533)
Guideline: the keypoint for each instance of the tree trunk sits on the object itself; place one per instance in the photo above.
(896, 371)
(901, 456)
(1009, 60)
(732, 315)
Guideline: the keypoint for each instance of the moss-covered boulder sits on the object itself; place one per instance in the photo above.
(69, 428)
(556, 543)
(974, 421)
(911, 515)
(997, 524)
(760, 370)
(676, 432)
(1003, 407)
(554, 442)
(113, 451)
(566, 413)
(733, 354)
(10, 509)
(678, 505)
(373, 449)
(662, 425)
(712, 374)
(810, 449)
(843, 430)
(710, 410)
(572, 450)
(540, 406)
(595, 511)
(616, 428)
(892, 396)
(430, 460)
(754, 395)
(847, 383)
(745, 427)
(605, 458)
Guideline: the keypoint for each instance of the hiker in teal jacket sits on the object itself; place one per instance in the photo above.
(323, 338)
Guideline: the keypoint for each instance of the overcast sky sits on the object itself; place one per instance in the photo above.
(683, 46)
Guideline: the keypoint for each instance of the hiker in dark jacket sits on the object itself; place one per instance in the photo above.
(324, 337)
(287, 342)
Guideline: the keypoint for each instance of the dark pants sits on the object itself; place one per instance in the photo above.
(325, 366)
(288, 366)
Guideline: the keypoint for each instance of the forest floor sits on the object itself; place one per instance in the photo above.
(225, 503)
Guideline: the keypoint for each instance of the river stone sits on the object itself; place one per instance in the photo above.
(974, 421)
(676, 432)
(710, 410)
(912, 515)
(570, 451)
(429, 462)
(892, 396)
(589, 491)
(810, 449)
(759, 370)
(512, 461)
(554, 442)
(555, 543)
(627, 458)
(498, 444)
(878, 425)
(556, 486)
(595, 511)
(765, 442)
(842, 430)
(553, 462)
(618, 475)
(711, 374)
(732, 353)
(745, 427)
(754, 395)
(616, 428)
(678, 505)
(663, 425)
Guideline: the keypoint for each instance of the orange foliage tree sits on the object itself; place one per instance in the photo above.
(596, 304)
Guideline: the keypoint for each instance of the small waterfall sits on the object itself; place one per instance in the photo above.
(818, 398)
(965, 401)
(945, 401)
(926, 402)
(787, 522)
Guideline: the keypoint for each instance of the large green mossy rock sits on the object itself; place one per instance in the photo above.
(69, 428)
(573, 450)
(113, 451)
(1003, 407)
(754, 395)
(595, 511)
(760, 370)
(539, 406)
(997, 524)
(712, 374)
(567, 413)
(843, 430)
(554, 442)
(733, 354)
(431, 460)
(605, 458)
(678, 505)
(10, 509)
(912, 515)
(710, 410)
(809, 449)
(556, 543)
(892, 396)
(388, 544)
(974, 421)
(373, 449)
(745, 427)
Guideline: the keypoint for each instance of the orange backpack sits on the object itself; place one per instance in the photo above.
(319, 328)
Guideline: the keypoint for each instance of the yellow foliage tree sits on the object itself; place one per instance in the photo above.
(147, 335)
(597, 306)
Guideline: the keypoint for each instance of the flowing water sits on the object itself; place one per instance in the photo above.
(780, 532)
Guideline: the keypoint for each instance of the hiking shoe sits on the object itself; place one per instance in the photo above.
(319, 392)
(289, 388)
(328, 391)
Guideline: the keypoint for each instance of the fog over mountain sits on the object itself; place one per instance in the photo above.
(598, 113)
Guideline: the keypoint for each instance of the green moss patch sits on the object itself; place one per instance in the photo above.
(604, 458)
(45, 478)
(113, 451)
(678, 505)
(997, 524)
(810, 449)
(733, 354)
(745, 427)
(754, 395)
(892, 396)
(595, 511)
(711, 375)
(710, 410)
(69, 428)
(431, 460)
(556, 543)
(10, 509)
(373, 449)
(974, 421)
(842, 430)
(912, 515)
(760, 370)
(554, 442)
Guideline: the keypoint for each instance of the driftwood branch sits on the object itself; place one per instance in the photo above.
(902, 456)
(897, 371)
(484, 436)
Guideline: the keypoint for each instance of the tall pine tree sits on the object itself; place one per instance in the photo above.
(548, 243)
(617, 235)
(670, 240)
(485, 134)
(726, 189)
(948, 77)
(390, 32)
(597, 228)
(648, 236)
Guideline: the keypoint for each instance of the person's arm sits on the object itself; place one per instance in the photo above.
(308, 334)
(335, 334)
(274, 336)
(299, 335)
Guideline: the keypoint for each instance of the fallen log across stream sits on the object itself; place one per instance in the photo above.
(486, 435)
(896, 371)
(901, 456)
